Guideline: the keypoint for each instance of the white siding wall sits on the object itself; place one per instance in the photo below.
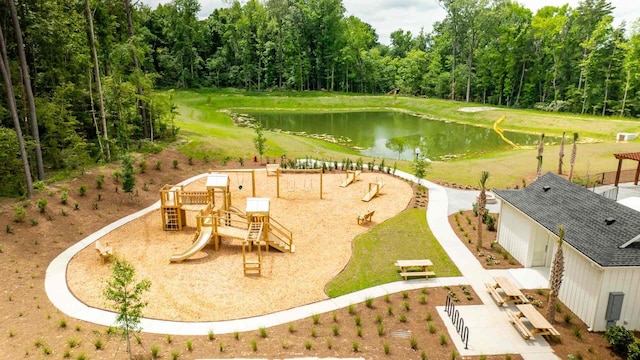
(627, 281)
(579, 290)
(514, 232)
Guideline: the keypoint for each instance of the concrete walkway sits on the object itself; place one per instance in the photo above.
(489, 329)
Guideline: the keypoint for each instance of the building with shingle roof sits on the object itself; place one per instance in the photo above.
(601, 246)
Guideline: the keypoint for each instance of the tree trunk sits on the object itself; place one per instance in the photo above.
(524, 69)
(93, 113)
(26, 78)
(11, 102)
(453, 71)
(555, 278)
(140, 90)
(606, 83)
(96, 71)
(626, 91)
(561, 155)
(469, 65)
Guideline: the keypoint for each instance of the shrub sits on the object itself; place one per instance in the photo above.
(263, 332)
(358, 320)
(414, 343)
(175, 163)
(381, 330)
(316, 319)
(432, 327)
(100, 181)
(368, 302)
(98, 344)
(62, 324)
(175, 354)
(155, 351)
(314, 332)
(352, 309)
(212, 335)
(117, 176)
(42, 205)
(143, 166)
(633, 352)
(64, 197)
(355, 346)
(82, 190)
(73, 342)
(336, 330)
(19, 213)
(158, 165)
(386, 348)
(292, 328)
(189, 345)
(619, 338)
(308, 345)
(443, 339)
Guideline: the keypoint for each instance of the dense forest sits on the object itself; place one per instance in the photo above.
(80, 75)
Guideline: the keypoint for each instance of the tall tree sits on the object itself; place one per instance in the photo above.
(11, 101)
(482, 203)
(26, 80)
(555, 278)
(96, 72)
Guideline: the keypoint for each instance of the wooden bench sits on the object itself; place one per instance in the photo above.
(105, 252)
(365, 217)
(522, 329)
(539, 323)
(421, 264)
(494, 294)
(426, 274)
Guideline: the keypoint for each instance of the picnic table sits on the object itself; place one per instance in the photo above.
(539, 324)
(422, 266)
(510, 290)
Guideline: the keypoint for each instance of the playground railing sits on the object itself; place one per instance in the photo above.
(194, 197)
(281, 232)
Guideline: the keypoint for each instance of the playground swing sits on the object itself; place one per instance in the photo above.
(310, 187)
(240, 181)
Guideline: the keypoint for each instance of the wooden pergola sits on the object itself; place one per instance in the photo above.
(635, 156)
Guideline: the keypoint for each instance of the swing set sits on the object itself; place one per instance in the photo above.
(291, 184)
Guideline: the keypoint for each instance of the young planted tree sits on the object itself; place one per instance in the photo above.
(125, 296)
(259, 140)
(539, 157)
(574, 150)
(555, 278)
(561, 154)
(482, 203)
(420, 166)
(128, 179)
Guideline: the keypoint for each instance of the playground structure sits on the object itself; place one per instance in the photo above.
(351, 176)
(374, 190)
(254, 226)
(296, 171)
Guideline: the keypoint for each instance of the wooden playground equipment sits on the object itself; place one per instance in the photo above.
(254, 226)
(105, 252)
(296, 171)
(351, 176)
(366, 216)
(374, 190)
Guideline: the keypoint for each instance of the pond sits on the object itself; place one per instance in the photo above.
(392, 134)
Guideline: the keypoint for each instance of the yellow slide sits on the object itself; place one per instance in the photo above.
(201, 242)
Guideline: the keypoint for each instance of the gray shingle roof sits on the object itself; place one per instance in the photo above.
(583, 214)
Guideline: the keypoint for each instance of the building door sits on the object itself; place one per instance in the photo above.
(540, 249)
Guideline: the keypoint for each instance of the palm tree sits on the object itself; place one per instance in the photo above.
(561, 155)
(555, 279)
(482, 202)
(539, 157)
(572, 162)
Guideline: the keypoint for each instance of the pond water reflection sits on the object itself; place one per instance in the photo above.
(393, 134)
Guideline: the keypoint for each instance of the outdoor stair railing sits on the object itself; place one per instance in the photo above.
(458, 321)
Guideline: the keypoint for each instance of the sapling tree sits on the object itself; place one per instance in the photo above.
(420, 166)
(128, 179)
(259, 140)
(125, 297)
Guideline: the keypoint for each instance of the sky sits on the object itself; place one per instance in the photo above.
(387, 16)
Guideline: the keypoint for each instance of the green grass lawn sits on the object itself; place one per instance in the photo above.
(405, 236)
(211, 132)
